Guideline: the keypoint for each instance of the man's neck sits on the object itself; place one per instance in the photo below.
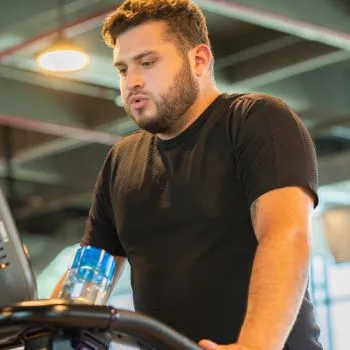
(192, 114)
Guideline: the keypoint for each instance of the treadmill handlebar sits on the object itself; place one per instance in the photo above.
(61, 313)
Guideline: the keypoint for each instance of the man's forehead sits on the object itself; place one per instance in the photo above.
(144, 37)
(136, 53)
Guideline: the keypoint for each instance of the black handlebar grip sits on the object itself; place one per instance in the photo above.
(60, 313)
(57, 312)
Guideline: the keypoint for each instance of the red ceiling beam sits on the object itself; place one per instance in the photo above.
(76, 133)
(71, 29)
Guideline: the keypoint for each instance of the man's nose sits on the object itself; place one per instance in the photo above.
(134, 80)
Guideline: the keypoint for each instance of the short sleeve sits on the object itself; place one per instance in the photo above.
(274, 150)
(100, 229)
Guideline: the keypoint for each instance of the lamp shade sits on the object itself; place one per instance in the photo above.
(63, 56)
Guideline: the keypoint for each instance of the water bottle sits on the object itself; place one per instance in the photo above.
(89, 276)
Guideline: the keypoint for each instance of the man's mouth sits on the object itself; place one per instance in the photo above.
(138, 102)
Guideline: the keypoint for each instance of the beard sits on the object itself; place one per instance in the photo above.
(172, 105)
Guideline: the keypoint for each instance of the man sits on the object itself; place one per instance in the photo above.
(211, 201)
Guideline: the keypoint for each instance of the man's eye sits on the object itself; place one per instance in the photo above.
(148, 64)
(122, 71)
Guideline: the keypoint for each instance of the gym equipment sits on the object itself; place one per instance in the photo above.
(55, 324)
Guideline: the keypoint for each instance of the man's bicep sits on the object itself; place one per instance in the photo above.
(102, 235)
(287, 208)
(100, 231)
(100, 228)
(274, 150)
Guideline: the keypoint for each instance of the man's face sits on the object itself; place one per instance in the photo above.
(156, 82)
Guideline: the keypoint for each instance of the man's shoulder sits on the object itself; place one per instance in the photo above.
(134, 141)
(251, 99)
(135, 137)
(258, 107)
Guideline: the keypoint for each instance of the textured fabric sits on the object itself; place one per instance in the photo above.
(179, 210)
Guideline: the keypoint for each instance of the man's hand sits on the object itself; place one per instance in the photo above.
(209, 345)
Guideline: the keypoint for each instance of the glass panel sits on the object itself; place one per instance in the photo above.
(321, 319)
(341, 325)
(339, 280)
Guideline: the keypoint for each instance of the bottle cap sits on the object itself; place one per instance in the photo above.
(95, 260)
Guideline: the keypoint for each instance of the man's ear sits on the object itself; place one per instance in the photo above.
(202, 57)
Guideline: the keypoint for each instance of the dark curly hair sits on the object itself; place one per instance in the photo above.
(186, 22)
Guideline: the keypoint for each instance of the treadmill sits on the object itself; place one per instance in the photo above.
(55, 324)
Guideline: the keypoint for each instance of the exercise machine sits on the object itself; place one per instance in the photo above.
(55, 324)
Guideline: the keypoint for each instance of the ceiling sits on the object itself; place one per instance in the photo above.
(56, 129)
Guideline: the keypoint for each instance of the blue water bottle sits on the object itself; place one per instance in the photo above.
(89, 276)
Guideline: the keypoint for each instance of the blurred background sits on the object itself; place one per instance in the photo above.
(57, 127)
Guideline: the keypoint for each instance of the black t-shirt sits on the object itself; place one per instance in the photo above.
(179, 210)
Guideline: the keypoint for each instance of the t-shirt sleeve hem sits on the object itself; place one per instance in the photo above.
(313, 191)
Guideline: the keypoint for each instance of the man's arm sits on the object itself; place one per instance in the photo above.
(120, 262)
(59, 286)
(274, 153)
(281, 221)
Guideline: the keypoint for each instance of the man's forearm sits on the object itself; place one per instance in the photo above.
(120, 266)
(59, 286)
(276, 290)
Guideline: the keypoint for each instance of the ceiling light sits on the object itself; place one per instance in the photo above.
(62, 57)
